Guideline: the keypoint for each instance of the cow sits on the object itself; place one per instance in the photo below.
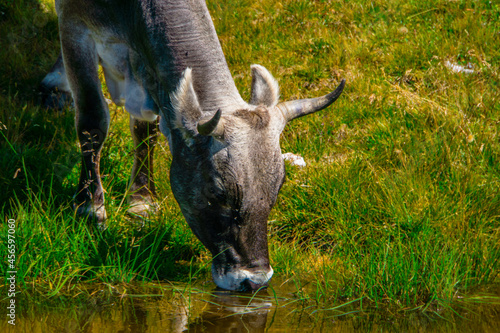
(162, 60)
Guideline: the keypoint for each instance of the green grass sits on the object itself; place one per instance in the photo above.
(399, 203)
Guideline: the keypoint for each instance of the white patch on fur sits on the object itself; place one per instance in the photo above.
(234, 278)
(265, 88)
(122, 86)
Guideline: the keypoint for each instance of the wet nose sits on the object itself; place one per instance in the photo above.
(242, 279)
(255, 279)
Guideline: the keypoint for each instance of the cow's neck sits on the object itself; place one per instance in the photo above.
(182, 35)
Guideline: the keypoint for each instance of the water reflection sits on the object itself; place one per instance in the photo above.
(179, 310)
(228, 312)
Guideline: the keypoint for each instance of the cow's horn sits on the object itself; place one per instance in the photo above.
(213, 126)
(302, 107)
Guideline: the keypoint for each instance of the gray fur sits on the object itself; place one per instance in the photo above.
(163, 60)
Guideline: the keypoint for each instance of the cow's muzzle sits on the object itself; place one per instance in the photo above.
(242, 279)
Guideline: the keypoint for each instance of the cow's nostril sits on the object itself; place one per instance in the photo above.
(242, 278)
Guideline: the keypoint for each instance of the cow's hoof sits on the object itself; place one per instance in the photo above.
(143, 208)
(95, 215)
(54, 99)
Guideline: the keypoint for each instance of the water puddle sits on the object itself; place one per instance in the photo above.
(179, 308)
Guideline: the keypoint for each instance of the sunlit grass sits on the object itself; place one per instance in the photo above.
(399, 203)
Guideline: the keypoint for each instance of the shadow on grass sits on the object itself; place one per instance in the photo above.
(39, 159)
(37, 150)
(159, 252)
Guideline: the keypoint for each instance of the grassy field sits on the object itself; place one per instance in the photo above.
(399, 203)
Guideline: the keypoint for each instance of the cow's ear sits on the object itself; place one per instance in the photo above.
(265, 89)
(185, 105)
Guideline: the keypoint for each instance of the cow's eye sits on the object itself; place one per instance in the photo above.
(215, 193)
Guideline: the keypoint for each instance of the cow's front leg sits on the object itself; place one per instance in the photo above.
(92, 116)
(142, 188)
(89, 197)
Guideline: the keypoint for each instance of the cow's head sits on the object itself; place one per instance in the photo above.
(227, 171)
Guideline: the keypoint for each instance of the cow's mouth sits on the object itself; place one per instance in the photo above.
(250, 286)
(242, 279)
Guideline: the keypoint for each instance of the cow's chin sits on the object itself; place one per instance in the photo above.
(242, 279)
